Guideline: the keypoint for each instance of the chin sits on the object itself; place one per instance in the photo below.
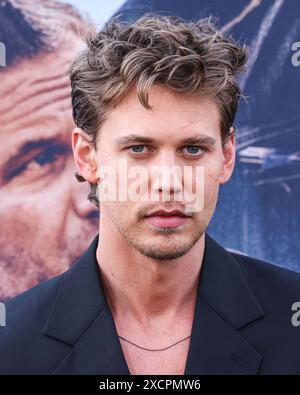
(163, 254)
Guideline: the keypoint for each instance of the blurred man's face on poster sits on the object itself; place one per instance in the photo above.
(46, 219)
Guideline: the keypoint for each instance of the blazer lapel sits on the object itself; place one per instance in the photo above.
(225, 304)
(216, 348)
(98, 351)
(81, 318)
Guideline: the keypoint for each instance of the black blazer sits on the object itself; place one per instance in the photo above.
(242, 322)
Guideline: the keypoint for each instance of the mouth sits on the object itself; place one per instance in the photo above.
(167, 219)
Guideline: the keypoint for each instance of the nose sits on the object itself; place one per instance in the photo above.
(166, 176)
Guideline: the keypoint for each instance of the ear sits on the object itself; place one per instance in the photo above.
(84, 155)
(228, 156)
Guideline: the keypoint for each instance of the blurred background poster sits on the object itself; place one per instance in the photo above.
(46, 220)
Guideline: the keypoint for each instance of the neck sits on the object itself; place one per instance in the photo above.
(141, 288)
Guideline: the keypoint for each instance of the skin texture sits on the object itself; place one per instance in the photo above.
(46, 220)
(159, 267)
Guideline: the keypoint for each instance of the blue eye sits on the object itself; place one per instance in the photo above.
(137, 149)
(193, 149)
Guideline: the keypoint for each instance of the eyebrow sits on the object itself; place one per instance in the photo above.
(135, 138)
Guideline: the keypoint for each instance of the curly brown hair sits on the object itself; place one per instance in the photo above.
(192, 58)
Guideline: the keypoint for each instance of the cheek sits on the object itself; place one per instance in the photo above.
(18, 223)
(113, 210)
(28, 222)
(38, 209)
(22, 232)
(211, 185)
(212, 172)
(118, 212)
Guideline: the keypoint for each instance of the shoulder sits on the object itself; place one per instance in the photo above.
(26, 345)
(270, 282)
(276, 335)
(35, 302)
(21, 340)
(266, 270)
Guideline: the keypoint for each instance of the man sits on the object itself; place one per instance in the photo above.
(268, 140)
(154, 294)
(44, 228)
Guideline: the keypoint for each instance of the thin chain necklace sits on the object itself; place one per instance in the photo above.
(153, 349)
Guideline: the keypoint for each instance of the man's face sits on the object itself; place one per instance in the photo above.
(46, 219)
(163, 143)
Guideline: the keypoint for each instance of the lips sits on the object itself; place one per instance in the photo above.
(167, 219)
(163, 213)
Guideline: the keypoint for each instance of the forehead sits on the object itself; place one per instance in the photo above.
(36, 87)
(35, 98)
(171, 112)
(43, 61)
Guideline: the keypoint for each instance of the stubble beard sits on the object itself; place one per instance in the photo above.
(162, 247)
